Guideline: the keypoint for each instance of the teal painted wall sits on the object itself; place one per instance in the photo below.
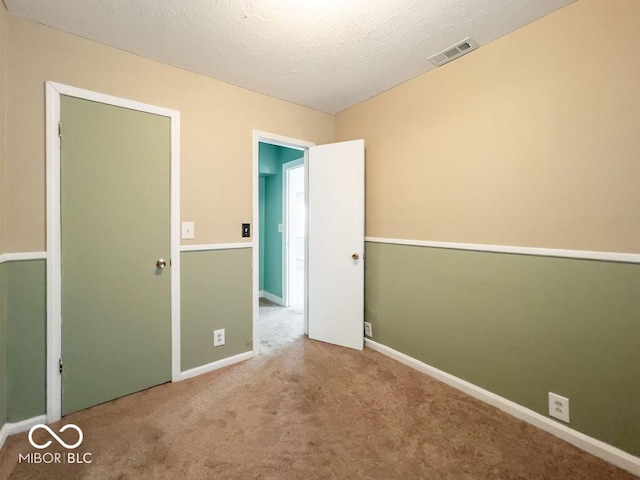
(261, 213)
(273, 238)
(271, 160)
(3, 344)
(267, 158)
(216, 293)
(519, 326)
(26, 339)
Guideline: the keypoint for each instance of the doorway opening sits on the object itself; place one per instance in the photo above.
(281, 244)
(294, 232)
(333, 241)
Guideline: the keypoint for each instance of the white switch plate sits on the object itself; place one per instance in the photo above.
(280, 227)
(559, 407)
(188, 230)
(218, 337)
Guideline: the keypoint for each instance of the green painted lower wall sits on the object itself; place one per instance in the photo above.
(26, 339)
(518, 326)
(3, 344)
(216, 293)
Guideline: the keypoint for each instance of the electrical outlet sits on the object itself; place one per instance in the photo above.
(559, 407)
(368, 331)
(218, 337)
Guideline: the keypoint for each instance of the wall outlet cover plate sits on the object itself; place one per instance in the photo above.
(559, 407)
(218, 337)
(368, 330)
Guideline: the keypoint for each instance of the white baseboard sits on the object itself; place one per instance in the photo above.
(210, 367)
(18, 427)
(272, 298)
(595, 447)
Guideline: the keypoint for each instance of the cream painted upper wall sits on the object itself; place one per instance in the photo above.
(533, 140)
(217, 122)
(3, 54)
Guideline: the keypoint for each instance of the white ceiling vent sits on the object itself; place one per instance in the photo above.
(454, 52)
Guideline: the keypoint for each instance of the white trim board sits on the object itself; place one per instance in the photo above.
(210, 367)
(591, 445)
(297, 163)
(272, 298)
(215, 246)
(4, 434)
(54, 274)
(19, 427)
(18, 257)
(542, 252)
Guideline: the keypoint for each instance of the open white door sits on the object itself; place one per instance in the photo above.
(336, 243)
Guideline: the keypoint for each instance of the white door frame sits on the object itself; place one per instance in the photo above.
(282, 141)
(286, 226)
(54, 273)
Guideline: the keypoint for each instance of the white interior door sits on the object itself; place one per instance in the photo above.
(336, 243)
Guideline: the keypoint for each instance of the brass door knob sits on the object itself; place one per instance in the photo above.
(355, 256)
(161, 263)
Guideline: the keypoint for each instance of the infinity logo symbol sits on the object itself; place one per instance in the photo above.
(59, 440)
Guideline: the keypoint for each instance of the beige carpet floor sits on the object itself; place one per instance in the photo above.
(307, 410)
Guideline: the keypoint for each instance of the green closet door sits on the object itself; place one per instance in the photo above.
(116, 304)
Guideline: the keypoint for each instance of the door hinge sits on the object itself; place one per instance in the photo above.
(60, 366)
(60, 129)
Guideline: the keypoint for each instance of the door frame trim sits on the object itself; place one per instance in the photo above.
(281, 141)
(286, 167)
(53, 92)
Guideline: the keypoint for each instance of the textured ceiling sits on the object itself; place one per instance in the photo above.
(324, 54)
